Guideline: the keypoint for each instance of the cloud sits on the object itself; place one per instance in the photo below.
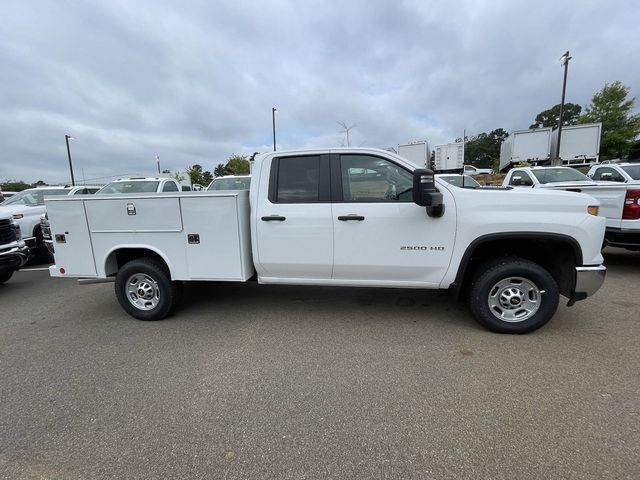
(195, 82)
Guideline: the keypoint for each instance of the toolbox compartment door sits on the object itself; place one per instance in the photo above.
(71, 239)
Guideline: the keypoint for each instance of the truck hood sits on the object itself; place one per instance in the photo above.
(10, 210)
(557, 212)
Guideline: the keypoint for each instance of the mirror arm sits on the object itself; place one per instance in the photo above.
(436, 212)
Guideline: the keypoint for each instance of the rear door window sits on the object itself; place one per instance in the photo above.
(297, 179)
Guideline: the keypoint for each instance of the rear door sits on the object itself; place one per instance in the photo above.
(294, 225)
(381, 237)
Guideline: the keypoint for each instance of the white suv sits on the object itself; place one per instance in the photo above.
(27, 206)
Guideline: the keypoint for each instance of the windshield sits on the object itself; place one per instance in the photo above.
(130, 187)
(456, 180)
(35, 196)
(551, 175)
(240, 183)
(633, 171)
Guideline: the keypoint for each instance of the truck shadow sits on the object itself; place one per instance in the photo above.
(330, 304)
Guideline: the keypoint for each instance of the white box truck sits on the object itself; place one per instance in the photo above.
(449, 158)
(531, 146)
(579, 144)
(340, 217)
(416, 152)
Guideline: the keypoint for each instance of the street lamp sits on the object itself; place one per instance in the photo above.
(564, 61)
(158, 162)
(273, 120)
(66, 139)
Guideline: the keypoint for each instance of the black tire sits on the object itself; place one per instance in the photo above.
(495, 294)
(42, 254)
(5, 275)
(151, 273)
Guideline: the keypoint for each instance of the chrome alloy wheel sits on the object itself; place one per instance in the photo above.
(514, 299)
(143, 291)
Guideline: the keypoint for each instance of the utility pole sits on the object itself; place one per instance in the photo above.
(66, 139)
(158, 162)
(564, 61)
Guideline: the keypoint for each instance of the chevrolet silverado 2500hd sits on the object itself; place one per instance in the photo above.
(349, 217)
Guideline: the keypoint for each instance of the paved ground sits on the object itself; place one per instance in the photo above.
(260, 382)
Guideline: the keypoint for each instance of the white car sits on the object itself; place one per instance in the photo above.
(140, 185)
(462, 181)
(231, 182)
(27, 206)
(616, 172)
(471, 170)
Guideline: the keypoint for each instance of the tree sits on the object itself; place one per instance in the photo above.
(40, 183)
(549, 118)
(207, 177)
(237, 165)
(177, 176)
(612, 107)
(219, 171)
(166, 171)
(195, 174)
(14, 186)
(484, 148)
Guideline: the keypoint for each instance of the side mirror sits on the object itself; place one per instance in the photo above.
(425, 192)
(606, 176)
(516, 180)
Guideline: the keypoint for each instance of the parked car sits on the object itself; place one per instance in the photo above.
(231, 182)
(616, 172)
(120, 186)
(140, 185)
(14, 253)
(341, 217)
(463, 181)
(27, 206)
(619, 202)
(471, 170)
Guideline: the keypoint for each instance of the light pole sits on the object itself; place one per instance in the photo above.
(66, 139)
(158, 162)
(564, 61)
(273, 120)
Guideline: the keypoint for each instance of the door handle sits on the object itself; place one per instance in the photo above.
(345, 218)
(274, 218)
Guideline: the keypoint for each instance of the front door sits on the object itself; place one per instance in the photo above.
(380, 235)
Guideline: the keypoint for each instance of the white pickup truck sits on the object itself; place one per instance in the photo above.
(348, 217)
(619, 202)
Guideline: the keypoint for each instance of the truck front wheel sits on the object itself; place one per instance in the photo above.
(145, 290)
(513, 295)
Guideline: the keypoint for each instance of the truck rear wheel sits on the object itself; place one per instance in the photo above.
(513, 295)
(145, 290)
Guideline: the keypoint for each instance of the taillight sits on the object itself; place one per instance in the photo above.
(631, 209)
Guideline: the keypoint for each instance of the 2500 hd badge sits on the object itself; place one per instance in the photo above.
(422, 247)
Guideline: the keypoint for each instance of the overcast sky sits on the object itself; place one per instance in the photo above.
(194, 82)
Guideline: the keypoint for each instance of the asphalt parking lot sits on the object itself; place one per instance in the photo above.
(250, 381)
